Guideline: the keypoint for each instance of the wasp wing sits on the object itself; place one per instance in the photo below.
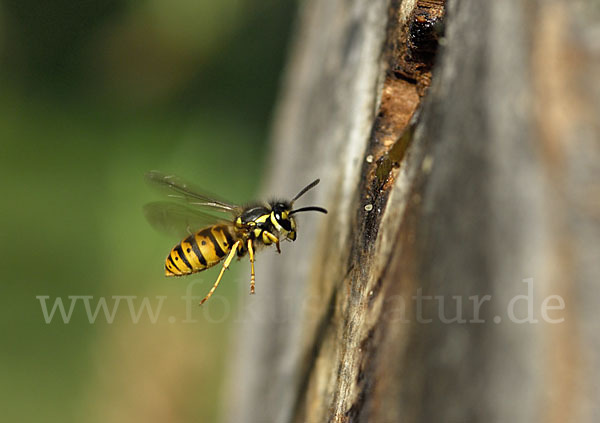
(178, 220)
(177, 188)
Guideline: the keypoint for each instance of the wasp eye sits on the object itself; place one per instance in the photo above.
(277, 216)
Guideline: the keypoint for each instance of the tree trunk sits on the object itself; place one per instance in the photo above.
(455, 276)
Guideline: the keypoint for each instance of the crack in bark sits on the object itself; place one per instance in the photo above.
(391, 135)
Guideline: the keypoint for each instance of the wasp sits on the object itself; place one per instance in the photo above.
(215, 230)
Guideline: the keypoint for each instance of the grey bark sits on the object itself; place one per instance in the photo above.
(497, 192)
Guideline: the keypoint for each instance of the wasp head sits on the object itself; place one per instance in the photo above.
(282, 218)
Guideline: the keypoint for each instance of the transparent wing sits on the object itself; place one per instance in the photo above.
(178, 220)
(176, 188)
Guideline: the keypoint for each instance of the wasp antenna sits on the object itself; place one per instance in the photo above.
(310, 208)
(306, 188)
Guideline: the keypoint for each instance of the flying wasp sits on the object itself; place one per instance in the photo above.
(210, 239)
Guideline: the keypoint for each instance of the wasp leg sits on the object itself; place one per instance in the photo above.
(273, 239)
(226, 264)
(251, 254)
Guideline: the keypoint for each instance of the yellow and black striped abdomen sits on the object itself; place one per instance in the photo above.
(200, 251)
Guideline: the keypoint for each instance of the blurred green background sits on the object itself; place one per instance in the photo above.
(94, 94)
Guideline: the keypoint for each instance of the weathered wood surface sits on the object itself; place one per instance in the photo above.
(498, 183)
